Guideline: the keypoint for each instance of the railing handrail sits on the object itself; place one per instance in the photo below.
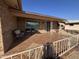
(21, 52)
(65, 38)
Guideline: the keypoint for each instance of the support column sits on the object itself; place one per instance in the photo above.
(42, 27)
(51, 32)
(51, 26)
(1, 40)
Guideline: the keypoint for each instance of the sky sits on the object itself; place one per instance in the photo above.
(66, 9)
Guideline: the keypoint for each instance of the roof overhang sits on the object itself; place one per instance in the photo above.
(72, 23)
(14, 3)
(36, 16)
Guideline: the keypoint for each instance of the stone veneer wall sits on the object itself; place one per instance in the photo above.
(9, 23)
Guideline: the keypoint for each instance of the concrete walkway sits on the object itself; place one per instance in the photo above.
(37, 39)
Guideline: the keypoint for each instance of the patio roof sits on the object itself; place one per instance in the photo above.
(16, 5)
(38, 16)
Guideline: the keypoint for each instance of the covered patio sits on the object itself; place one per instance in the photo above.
(34, 40)
(37, 29)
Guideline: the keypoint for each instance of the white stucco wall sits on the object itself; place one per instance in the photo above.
(74, 27)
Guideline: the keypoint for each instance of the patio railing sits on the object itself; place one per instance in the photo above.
(64, 45)
(61, 47)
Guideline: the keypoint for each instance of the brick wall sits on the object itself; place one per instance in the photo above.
(8, 24)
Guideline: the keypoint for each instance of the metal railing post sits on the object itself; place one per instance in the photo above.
(77, 40)
(21, 56)
(69, 43)
(29, 54)
(61, 47)
(35, 54)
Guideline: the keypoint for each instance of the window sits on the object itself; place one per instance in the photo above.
(32, 26)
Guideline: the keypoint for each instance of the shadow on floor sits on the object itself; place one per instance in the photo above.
(20, 40)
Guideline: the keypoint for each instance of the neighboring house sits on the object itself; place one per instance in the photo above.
(72, 27)
(12, 17)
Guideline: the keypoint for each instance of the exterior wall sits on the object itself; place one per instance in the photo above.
(1, 41)
(54, 26)
(8, 25)
(74, 27)
(21, 24)
(42, 28)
